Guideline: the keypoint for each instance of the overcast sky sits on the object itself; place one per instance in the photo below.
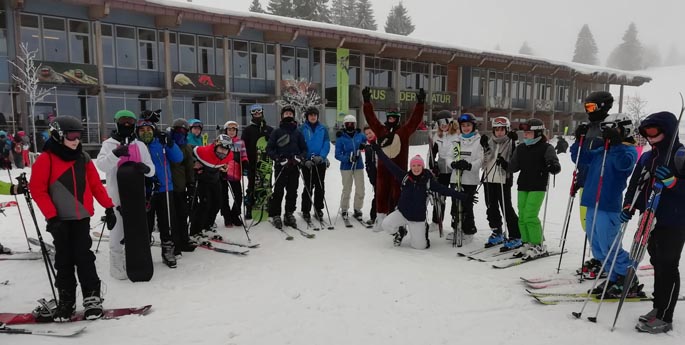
(550, 27)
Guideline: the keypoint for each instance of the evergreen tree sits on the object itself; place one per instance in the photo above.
(364, 17)
(586, 48)
(337, 13)
(629, 54)
(256, 6)
(398, 21)
(526, 49)
(281, 8)
(314, 10)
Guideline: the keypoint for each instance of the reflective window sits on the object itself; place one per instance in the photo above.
(241, 60)
(79, 41)
(303, 63)
(206, 54)
(187, 53)
(173, 49)
(257, 61)
(3, 34)
(30, 33)
(107, 45)
(126, 49)
(270, 62)
(147, 49)
(288, 63)
(55, 40)
(219, 56)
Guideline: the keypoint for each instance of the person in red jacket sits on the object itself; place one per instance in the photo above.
(63, 183)
(394, 140)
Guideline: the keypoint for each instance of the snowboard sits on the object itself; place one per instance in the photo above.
(139, 266)
(29, 318)
(262, 184)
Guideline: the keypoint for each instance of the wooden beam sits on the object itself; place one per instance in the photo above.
(295, 34)
(342, 41)
(168, 21)
(225, 30)
(97, 12)
(380, 51)
(454, 56)
(418, 54)
(482, 61)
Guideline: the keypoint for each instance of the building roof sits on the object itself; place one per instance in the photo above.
(323, 35)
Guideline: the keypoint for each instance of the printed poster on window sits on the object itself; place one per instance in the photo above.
(67, 73)
(343, 81)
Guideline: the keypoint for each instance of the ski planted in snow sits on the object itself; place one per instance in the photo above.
(302, 232)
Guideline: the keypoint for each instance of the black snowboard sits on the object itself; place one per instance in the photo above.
(136, 234)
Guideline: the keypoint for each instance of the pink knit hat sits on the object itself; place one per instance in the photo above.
(417, 160)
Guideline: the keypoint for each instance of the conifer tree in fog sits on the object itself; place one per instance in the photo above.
(586, 48)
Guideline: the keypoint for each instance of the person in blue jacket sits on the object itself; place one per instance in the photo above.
(618, 131)
(315, 164)
(411, 207)
(163, 151)
(666, 239)
(195, 133)
(348, 150)
(287, 149)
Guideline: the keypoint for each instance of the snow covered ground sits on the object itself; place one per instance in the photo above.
(347, 286)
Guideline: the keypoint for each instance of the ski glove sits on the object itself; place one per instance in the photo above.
(461, 165)
(245, 170)
(309, 164)
(626, 214)
(502, 163)
(54, 224)
(121, 151)
(317, 160)
(484, 142)
(665, 174)
(553, 167)
(18, 189)
(421, 96)
(353, 157)
(613, 135)
(110, 218)
(142, 168)
(513, 136)
(581, 130)
(366, 94)
(164, 139)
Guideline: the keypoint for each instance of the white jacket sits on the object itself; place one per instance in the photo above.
(107, 162)
(468, 149)
(497, 147)
(445, 151)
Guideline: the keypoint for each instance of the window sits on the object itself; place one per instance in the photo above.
(79, 41)
(206, 54)
(147, 49)
(288, 63)
(241, 60)
(331, 68)
(126, 47)
(379, 72)
(477, 83)
(270, 62)
(55, 40)
(30, 33)
(316, 66)
(439, 78)
(3, 34)
(107, 45)
(257, 61)
(173, 51)
(186, 53)
(354, 68)
(303, 63)
(220, 56)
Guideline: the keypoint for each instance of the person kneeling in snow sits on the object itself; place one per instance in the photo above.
(411, 208)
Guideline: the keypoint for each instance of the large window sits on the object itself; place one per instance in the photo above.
(147, 49)
(220, 56)
(270, 62)
(206, 54)
(107, 45)
(241, 60)
(3, 34)
(302, 63)
(55, 40)
(288, 63)
(257, 61)
(354, 69)
(498, 85)
(187, 53)
(477, 83)
(79, 41)
(30, 32)
(543, 88)
(379, 72)
(126, 49)
(439, 78)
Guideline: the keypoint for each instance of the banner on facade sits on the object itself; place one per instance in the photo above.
(199, 82)
(67, 73)
(343, 82)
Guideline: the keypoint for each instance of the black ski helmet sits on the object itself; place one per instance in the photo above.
(443, 117)
(597, 105)
(535, 125)
(311, 110)
(180, 123)
(289, 108)
(63, 124)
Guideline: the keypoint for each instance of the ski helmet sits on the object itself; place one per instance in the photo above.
(180, 123)
(623, 122)
(256, 109)
(224, 141)
(443, 117)
(597, 105)
(125, 122)
(349, 118)
(195, 123)
(312, 110)
(394, 112)
(231, 124)
(144, 123)
(467, 117)
(535, 125)
(62, 125)
(287, 108)
(501, 121)
(150, 115)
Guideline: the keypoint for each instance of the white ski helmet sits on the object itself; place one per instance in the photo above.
(230, 124)
(501, 121)
(622, 121)
(349, 118)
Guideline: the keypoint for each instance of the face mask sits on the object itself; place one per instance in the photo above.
(146, 137)
(124, 131)
(288, 119)
(350, 128)
(533, 141)
(597, 116)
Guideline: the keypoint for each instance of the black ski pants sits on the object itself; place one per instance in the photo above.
(231, 190)
(72, 250)
(468, 220)
(314, 187)
(208, 203)
(180, 214)
(158, 209)
(665, 247)
(287, 181)
(493, 201)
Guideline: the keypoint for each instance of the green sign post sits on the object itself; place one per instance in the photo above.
(343, 82)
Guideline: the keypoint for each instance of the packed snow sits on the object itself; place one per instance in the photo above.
(346, 286)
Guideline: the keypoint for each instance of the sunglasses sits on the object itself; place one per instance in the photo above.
(72, 136)
(591, 107)
(650, 132)
(127, 121)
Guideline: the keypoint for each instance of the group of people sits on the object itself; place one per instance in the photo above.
(14, 150)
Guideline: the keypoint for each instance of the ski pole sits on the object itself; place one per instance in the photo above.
(318, 177)
(21, 217)
(505, 225)
(102, 231)
(166, 193)
(240, 217)
(599, 193)
(569, 206)
(544, 213)
(306, 187)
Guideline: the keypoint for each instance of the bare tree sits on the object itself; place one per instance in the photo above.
(300, 94)
(635, 107)
(26, 79)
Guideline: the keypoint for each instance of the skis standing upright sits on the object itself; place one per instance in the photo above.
(458, 238)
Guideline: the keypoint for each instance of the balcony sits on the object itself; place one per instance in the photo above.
(544, 105)
(499, 102)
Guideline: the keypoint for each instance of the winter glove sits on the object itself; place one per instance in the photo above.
(484, 142)
(164, 139)
(54, 224)
(366, 94)
(502, 163)
(362, 146)
(121, 151)
(421, 96)
(353, 157)
(461, 165)
(110, 218)
(17, 189)
(613, 135)
(245, 170)
(552, 167)
(142, 168)
(513, 136)
(665, 174)
(317, 160)
(309, 164)
(581, 130)
(626, 214)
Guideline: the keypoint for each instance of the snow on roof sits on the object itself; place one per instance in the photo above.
(577, 67)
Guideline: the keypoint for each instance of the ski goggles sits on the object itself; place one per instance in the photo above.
(650, 132)
(256, 111)
(591, 107)
(129, 121)
(72, 136)
(444, 122)
(500, 122)
(196, 124)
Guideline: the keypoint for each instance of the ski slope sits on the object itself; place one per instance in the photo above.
(346, 286)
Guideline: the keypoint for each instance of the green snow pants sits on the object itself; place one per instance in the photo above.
(529, 204)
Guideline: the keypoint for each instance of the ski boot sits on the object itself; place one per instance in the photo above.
(92, 302)
(495, 238)
(212, 234)
(399, 235)
(45, 311)
(511, 244)
(535, 251)
(289, 220)
(588, 265)
(370, 222)
(654, 326)
(277, 222)
(168, 256)
(318, 215)
(379, 222)
(65, 306)
(358, 215)
(649, 316)
(521, 251)
(5, 250)
(307, 217)
(345, 215)
(616, 290)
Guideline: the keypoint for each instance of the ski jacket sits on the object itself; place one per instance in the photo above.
(443, 151)
(194, 140)
(497, 147)
(162, 166)
(593, 139)
(403, 131)
(414, 189)
(347, 146)
(108, 163)
(182, 173)
(562, 145)
(211, 164)
(619, 164)
(532, 162)
(468, 149)
(317, 139)
(286, 141)
(251, 134)
(234, 170)
(65, 188)
(671, 208)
